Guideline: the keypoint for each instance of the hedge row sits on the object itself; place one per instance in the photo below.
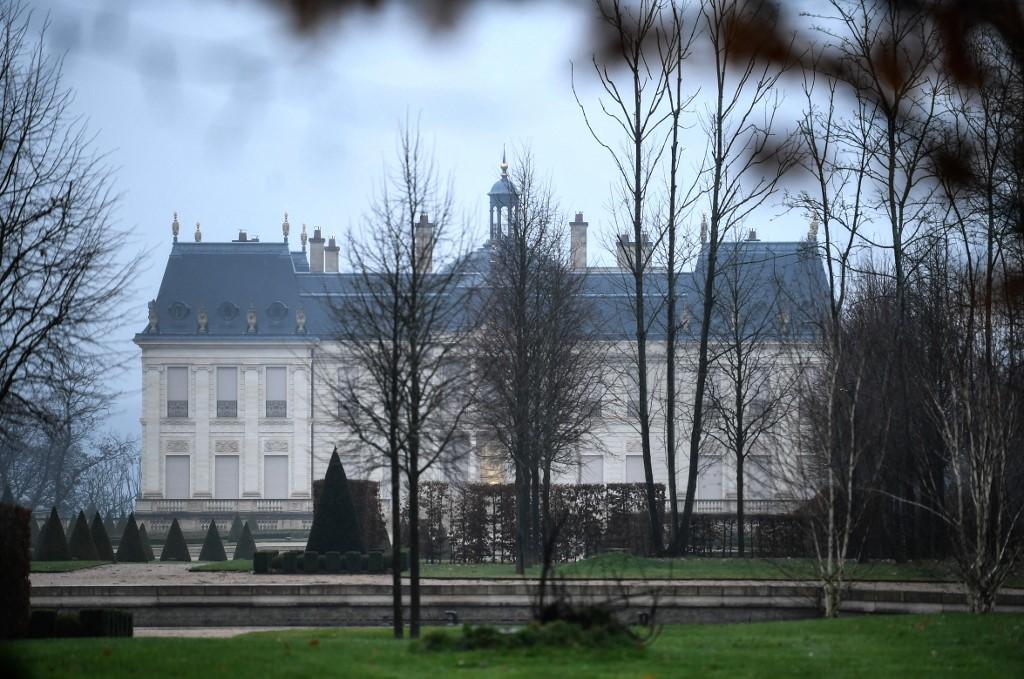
(291, 562)
(89, 622)
(476, 522)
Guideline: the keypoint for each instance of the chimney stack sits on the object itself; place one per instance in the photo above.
(424, 236)
(752, 236)
(578, 242)
(331, 256)
(625, 249)
(316, 252)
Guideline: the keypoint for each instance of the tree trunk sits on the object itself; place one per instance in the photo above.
(396, 549)
(414, 557)
(739, 504)
(536, 543)
(522, 518)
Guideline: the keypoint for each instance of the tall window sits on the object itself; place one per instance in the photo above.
(177, 477)
(275, 476)
(227, 392)
(635, 469)
(709, 483)
(592, 469)
(225, 473)
(277, 400)
(177, 392)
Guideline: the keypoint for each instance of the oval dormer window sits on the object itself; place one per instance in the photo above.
(178, 310)
(227, 311)
(277, 311)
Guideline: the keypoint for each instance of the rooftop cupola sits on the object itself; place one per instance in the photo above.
(504, 201)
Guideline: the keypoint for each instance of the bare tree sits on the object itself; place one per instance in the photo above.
(537, 354)
(401, 334)
(745, 160)
(635, 107)
(61, 271)
(754, 378)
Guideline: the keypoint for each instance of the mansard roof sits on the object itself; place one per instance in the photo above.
(786, 280)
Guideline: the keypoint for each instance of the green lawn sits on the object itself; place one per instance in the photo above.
(63, 566)
(881, 646)
(232, 566)
(625, 566)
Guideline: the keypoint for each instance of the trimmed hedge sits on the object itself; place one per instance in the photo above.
(147, 546)
(213, 548)
(310, 562)
(89, 622)
(269, 561)
(81, 544)
(375, 562)
(335, 525)
(261, 561)
(175, 548)
(104, 550)
(53, 546)
(130, 548)
(14, 570)
(245, 547)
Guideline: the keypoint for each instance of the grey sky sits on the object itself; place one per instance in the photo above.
(219, 111)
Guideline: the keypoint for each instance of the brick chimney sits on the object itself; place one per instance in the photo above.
(316, 252)
(331, 256)
(424, 236)
(578, 242)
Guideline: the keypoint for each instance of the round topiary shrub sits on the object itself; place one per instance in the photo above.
(245, 548)
(130, 549)
(213, 548)
(175, 548)
(53, 546)
(81, 544)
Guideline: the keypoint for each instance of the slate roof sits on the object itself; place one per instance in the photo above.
(784, 279)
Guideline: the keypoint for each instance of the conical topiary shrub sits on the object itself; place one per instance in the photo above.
(213, 548)
(245, 548)
(335, 526)
(236, 529)
(80, 543)
(53, 546)
(175, 548)
(104, 551)
(147, 546)
(129, 549)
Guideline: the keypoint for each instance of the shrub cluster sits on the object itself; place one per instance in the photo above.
(89, 622)
(309, 562)
(15, 543)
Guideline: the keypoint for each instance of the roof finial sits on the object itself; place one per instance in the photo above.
(199, 234)
(174, 227)
(704, 227)
(303, 237)
(504, 163)
(285, 227)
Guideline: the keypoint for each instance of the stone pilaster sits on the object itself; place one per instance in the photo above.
(151, 414)
(298, 408)
(252, 461)
(201, 457)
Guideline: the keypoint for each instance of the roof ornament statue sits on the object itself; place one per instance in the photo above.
(704, 227)
(303, 237)
(175, 227)
(199, 234)
(154, 320)
(300, 320)
(285, 227)
(201, 320)
(812, 232)
(250, 319)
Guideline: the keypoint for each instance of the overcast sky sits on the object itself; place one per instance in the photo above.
(218, 110)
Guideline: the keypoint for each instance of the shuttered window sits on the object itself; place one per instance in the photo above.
(227, 392)
(635, 469)
(177, 392)
(177, 477)
(275, 476)
(226, 477)
(592, 469)
(277, 403)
